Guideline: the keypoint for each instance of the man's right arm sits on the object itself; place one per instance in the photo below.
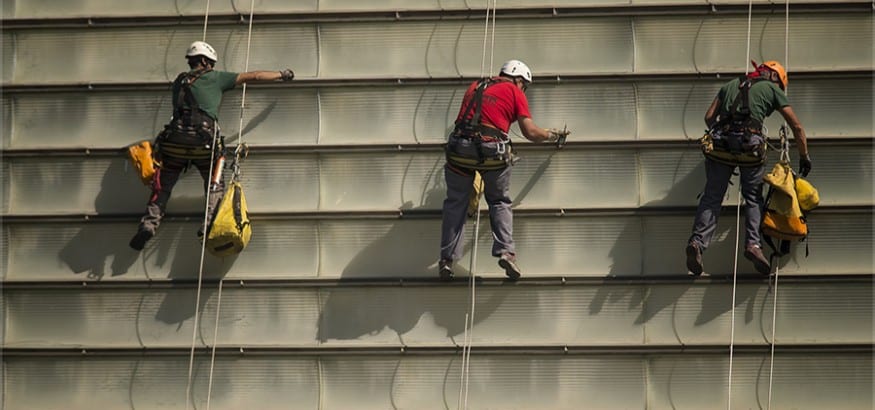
(531, 131)
(799, 137)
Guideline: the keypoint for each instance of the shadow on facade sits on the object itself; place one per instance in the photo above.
(650, 300)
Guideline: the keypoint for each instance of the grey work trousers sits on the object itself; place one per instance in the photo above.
(717, 175)
(496, 190)
(162, 186)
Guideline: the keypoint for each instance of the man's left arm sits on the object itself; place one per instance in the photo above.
(265, 76)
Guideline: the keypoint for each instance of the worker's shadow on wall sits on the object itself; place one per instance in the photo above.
(366, 312)
(97, 243)
(651, 299)
(180, 247)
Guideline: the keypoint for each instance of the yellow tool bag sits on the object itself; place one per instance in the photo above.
(230, 231)
(782, 218)
(141, 158)
(476, 194)
(807, 195)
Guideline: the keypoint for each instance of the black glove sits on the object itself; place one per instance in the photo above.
(804, 165)
(287, 74)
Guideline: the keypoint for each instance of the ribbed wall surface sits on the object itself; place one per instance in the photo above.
(335, 303)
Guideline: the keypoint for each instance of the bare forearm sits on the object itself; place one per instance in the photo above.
(258, 76)
(532, 132)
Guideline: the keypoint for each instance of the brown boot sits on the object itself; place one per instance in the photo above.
(694, 259)
(754, 254)
(508, 262)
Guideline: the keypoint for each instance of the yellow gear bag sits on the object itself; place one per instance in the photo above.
(476, 194)
(230, 230)
(783, 219)
(141, 158)
(807, 195)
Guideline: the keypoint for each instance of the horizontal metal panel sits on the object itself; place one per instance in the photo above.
(116, 119)
(606, 315)
(507, 382)
(719, 43)
(414, 180)
(599, 111)
(566, 246)
(155, 53)
(343, 50)
(21, 9)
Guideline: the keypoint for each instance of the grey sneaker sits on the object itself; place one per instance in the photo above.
(694, 259)
(445, 269)
(508, 262)
(754, 254)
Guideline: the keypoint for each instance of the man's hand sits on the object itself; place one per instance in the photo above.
(287, 74)
(804, 165)
(555, 134)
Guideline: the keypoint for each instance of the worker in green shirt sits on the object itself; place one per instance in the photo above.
(191, 136)
(735, 140)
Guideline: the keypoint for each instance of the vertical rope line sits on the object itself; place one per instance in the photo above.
(206, 19)
(203, 244)
(734, 283)
(749, 18)
(462, 365)
(485, 37)
(785, 154)
(473, 286)
(239, 144)
(492, 47)
(774, 322)
(200, 273)
(737, 232)
(215, 342)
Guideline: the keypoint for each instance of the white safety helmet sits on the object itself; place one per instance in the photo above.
(517, 68)
(199, 48)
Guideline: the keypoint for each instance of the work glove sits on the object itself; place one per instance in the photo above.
(555, 134)
(287, 74)
(804, 165)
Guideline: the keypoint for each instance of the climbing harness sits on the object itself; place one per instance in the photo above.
(474, 146)
(737, 138)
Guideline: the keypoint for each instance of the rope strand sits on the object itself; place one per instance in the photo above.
(233, 177)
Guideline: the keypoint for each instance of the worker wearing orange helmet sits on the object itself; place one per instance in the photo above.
(735, 140)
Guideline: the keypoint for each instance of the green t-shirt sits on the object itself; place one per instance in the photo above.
(208, 91)
(765, 97)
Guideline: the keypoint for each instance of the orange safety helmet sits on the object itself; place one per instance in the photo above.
(778, 68)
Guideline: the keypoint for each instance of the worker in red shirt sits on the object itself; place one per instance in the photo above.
(479, 143)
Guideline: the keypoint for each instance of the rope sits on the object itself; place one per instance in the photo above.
(785, 155)
(233, 178)
(203, 248)
(469, 316)
(737, 233)
(734, 286)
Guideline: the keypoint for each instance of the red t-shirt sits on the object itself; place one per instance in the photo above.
(503, 103)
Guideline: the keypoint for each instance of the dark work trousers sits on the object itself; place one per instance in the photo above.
(496, 191)
(163, 183)
(718, 175)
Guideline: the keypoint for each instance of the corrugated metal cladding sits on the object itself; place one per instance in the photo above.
(334, 305)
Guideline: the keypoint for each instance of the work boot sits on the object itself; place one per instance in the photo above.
(445, 270)
(754, 254)
(508, 262)
(138, 242)
(694, 259)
